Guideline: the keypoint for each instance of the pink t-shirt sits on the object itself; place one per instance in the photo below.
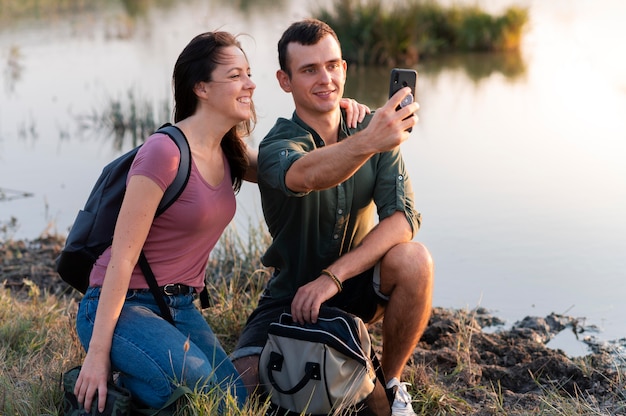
(181, 239)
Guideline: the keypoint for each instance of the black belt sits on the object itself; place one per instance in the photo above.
(176, 289)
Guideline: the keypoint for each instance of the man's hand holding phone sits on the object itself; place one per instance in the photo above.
(405, 107)
(391, 124)
(402, 78)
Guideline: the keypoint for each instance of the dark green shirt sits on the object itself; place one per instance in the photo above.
(311, 230)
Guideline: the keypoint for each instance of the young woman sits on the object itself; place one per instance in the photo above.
(119, 321)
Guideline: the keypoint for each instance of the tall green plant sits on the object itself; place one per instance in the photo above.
(355, 23)
(392, 33)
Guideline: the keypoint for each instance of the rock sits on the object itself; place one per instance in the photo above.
(517, 361)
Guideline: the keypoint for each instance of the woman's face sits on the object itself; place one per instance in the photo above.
(230, 89)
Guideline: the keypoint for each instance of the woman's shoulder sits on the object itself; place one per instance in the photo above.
(160, 143)
(158, 158)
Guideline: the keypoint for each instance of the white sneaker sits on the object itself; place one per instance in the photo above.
(402, 400)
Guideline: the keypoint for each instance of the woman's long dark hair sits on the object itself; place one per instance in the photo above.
(196, 63)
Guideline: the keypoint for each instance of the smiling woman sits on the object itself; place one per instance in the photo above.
(218, 111)
(212, 91)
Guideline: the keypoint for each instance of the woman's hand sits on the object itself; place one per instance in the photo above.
(355, 112)
(92, 379)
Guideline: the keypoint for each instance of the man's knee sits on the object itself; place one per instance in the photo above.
(407, 263)
(248, 369)
(409, 255)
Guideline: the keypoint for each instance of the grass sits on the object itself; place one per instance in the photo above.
(38, 343)
(373, 32)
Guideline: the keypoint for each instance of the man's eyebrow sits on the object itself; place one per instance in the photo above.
(315, 64)
(305, 66)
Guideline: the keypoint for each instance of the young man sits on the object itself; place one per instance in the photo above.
(320, 183)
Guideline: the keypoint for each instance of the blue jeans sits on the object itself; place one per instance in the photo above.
(149, 352)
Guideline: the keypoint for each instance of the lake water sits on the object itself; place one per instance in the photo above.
(517, 163)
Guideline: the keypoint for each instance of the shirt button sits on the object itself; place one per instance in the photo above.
(283, 153)
(400, 177)
(340, 211)
(336, 236)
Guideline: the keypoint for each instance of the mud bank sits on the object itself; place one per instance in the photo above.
(469, 370)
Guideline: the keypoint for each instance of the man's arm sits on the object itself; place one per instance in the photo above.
(330, 165)
(251, 173)
(388, 233)
(391, 231)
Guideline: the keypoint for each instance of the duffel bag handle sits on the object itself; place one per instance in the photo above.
(275, 363)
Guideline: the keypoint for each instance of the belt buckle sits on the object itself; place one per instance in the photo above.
(170, 289)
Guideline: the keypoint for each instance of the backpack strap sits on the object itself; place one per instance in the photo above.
(154, 288)
(169, 197)
(178, 185)
(184, 168)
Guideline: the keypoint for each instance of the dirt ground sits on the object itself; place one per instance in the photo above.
(477, 371)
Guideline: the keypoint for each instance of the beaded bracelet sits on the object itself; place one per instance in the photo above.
(332, 276)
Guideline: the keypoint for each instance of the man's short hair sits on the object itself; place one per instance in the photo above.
(304, 32)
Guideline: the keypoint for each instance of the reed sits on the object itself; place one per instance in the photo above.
(131, 119)
(373, 32)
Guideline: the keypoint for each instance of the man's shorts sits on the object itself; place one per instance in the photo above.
(360, 296)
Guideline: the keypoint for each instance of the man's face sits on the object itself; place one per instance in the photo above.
(318, 75)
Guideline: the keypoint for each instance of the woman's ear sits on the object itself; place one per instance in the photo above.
(283, 80)
(200, 89)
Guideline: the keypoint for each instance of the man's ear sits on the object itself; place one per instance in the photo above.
(283, 80)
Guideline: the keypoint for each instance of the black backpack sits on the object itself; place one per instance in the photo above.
(92, 231)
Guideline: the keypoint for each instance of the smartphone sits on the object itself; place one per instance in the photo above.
(399, 79)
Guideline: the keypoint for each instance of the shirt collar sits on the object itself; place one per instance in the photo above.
(319, 142)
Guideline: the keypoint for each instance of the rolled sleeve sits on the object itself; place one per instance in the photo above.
(394, 191)
(276, 155)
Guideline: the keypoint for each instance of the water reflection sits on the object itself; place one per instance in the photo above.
(27, 130)
(126, 122)
(14, 68)
(479, 66)
(11, 194)
(370, 84)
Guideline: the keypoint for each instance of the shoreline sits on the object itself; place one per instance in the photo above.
(467, 356)
(33, 260)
